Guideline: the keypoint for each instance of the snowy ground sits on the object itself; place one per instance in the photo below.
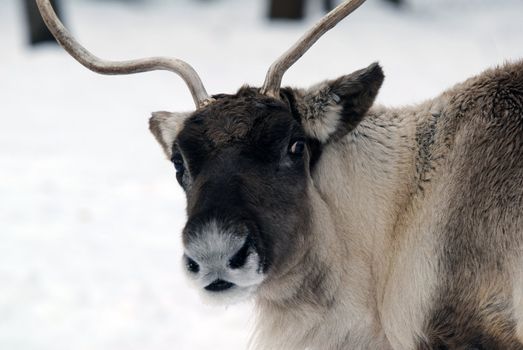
(90, 212)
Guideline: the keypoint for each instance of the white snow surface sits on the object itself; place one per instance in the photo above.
(90, 212)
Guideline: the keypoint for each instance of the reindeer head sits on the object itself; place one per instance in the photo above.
(245, 160)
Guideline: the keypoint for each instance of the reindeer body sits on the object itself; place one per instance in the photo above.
(417, 233)
(352, 227)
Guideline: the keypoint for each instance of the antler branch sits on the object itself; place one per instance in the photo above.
(87, 59)
(271, 86)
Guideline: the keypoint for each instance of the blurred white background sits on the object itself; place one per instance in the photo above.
(90, 211)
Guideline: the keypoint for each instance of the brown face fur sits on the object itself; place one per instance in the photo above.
(244, 162)
(237, 152)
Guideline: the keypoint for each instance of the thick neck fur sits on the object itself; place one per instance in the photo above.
(363, 188)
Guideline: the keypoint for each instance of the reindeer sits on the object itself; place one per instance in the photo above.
(352, 226)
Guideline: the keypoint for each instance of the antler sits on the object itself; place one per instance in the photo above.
(271, 86)
(87, 59)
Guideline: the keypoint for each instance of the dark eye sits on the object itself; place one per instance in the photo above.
(297, 147)
(178, 162)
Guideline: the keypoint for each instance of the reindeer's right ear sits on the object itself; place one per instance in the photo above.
(165, 126)
(329, 110)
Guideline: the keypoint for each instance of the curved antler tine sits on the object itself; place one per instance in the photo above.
(271, 86)
(87, 59)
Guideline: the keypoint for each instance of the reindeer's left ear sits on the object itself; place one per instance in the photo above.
(165, 126)
(330, 110)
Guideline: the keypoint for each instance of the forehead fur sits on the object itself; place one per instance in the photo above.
(232, 118)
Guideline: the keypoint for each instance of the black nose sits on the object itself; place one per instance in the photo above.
(219, 285)
(192, 265)
(240, 258)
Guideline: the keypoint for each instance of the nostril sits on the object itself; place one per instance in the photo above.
(240, 258)
(219, 285)
(192, 265)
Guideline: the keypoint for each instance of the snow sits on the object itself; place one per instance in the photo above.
(90, 212)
